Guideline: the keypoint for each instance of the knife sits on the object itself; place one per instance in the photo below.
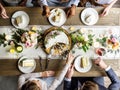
(40, 63)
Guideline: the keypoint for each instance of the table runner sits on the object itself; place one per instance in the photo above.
(34, 53)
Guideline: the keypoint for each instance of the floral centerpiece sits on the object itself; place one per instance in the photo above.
(83, 39)
(111, 42)
(19, 37)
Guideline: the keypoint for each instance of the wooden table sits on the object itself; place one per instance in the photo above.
(9, 67)
(36, 17)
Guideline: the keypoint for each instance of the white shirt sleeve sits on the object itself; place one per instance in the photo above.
(60, 78)
(108, 68)
(76, 2)
(44, 2)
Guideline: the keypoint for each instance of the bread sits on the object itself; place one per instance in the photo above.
(18, 20)
(27, 63)
(88, 19)
(84, 62)
(56, 18)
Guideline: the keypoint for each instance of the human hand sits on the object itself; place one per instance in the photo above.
(70, 59)
(46, 11)
(105, 11)
(3, 13)
(70, 72)
(100, 63)
(71, 11)
(48, 73)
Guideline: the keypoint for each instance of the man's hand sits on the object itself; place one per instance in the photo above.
(71, 11)
(70, 58)
(3, 13)
(100, 63)
(48, 73)
(70, 72)
(46, 11)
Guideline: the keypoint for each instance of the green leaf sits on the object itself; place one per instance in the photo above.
(84, 48)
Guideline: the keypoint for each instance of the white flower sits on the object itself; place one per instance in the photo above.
(96, 44)
(82, 30)
(8, 37)
(86, 38)
(5, 42)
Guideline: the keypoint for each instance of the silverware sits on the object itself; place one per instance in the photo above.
(47, 61)
(40, 63)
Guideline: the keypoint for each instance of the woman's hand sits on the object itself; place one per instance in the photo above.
(3, 13)
(105, 11)
(70, 59)
(70, 72)
(71, 11)
(46, 11)
(48, 73)
(100, 63)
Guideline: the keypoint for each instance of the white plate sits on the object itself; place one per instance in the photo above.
(89, 11)
(77, 65)
(25, 17)
(62, 20)
(26, 69)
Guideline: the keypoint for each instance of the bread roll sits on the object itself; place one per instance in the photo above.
(27, 63)
(84, 62)
(18, 20)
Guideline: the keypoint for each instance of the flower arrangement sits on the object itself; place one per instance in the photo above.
(83, 39)
(111, 42)
(29, 38)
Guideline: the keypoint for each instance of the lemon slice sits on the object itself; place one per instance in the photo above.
(19, 48)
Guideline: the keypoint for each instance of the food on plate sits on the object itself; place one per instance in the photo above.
(89, 18)
(19, 20)
(57, 15)
(84, 62)
(56, 18)
(59, 48)
(27, 63)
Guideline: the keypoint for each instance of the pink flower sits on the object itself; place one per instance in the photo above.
(113, 40)
(28, 44)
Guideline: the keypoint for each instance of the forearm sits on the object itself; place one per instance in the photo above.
(112, 3)
(60, 78)
(111, 74)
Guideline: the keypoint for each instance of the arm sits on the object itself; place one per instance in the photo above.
(106, 10)
(23, 3)
(114, 79)
(68, 76)
(24, 77)
(3, 12)
(60, 78)
(115, 85)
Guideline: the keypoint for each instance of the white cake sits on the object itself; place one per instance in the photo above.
(56, 42)
(51, 39)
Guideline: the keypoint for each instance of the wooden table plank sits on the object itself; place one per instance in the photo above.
(36, 17)
(9, 67)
